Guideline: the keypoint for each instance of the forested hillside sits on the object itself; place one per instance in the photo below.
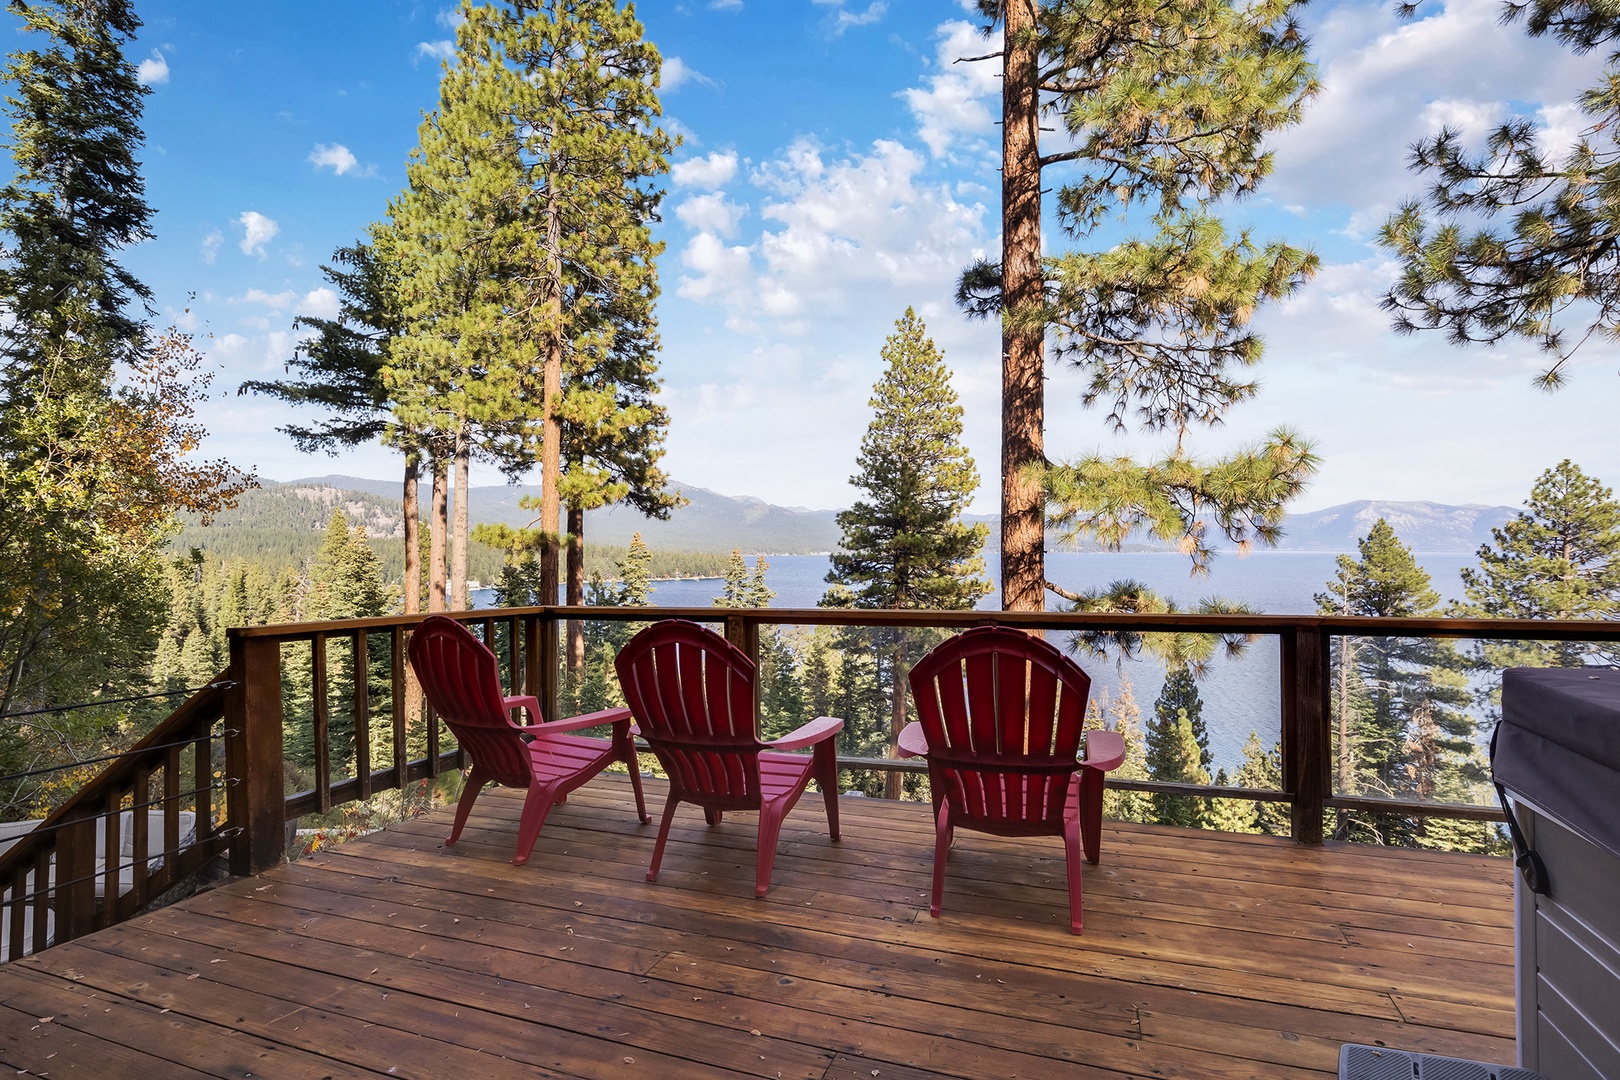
(281, 525)
(708, 521)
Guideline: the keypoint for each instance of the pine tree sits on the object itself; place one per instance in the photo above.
(1179, 761)
(818, 676)
(580, 120)
(903, 544)
(1552, 270)
(1397, 702)
(1121, 713)
(635, 574)
(78, 197)
(1558, 559)
(1261, 770)
(449, 240)
(1166, 106)
(734, 592)
(1178, 748)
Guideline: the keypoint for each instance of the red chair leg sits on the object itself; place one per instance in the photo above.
(663, 834)
(625, 748)
(770, 831)
(635, 785)
(536, 805)
(825, 770)
(942, 845)
(1071, 860)
(1090, 807)
(469, 795)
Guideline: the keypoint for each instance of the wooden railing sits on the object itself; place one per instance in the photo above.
(51, 875)
(151, 819)
(528, 643)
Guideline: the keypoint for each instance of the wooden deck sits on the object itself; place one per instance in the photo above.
(1205, 955)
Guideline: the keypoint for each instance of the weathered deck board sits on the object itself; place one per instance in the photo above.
(1205, 955)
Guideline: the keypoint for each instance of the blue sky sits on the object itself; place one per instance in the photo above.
(837, 166)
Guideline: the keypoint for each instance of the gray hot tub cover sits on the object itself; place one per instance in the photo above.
(1559, 747)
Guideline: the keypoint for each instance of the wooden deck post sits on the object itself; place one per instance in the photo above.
(1305, 729)
(253, 753)
(75, 896)
(743, 632)
(550, 658)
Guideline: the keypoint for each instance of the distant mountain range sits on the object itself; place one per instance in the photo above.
(714, 522)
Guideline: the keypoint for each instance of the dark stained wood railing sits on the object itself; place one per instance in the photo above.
(527, 642)
(260, 805)
(168, 784)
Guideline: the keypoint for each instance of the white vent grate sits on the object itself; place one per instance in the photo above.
(1379, 1063)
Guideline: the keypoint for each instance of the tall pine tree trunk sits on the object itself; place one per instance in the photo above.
(438, 520)
(412, 508)
(1023, 388)
(576, 586)
(550, 397)
(458, 535)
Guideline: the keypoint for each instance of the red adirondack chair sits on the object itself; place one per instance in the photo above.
(999, 720)
(692, 693)
(461, 679)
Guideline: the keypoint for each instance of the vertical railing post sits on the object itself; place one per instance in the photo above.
(75, 896)
(254, 796)
(1306, 769)
(743, 632)
(531, 655)
(550, 657)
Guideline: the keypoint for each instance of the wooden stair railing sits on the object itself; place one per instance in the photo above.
(51, 886)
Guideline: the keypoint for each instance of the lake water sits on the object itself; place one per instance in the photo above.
(1240, 694)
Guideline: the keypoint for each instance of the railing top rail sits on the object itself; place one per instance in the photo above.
(1497, 629)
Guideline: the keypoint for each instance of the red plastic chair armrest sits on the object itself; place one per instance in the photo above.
(527, 702)
(822, 727)
(912, 741)
(588, 720)
(1104, 750)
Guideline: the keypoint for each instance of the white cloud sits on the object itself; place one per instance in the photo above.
(280, 301)
(336, 157)
(725, 5)
(209, 248)
(449, 18)
(1388, 83)
(709, 172)
(678, 72)
(435, 50)
(1473, 120)
(321, 303)
(710, 213)
(850, 234)
(228, 346)
(153, 71)
(952, 104)
(1562, 126)
(719, 269)
(843, 18)
(257, 231)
